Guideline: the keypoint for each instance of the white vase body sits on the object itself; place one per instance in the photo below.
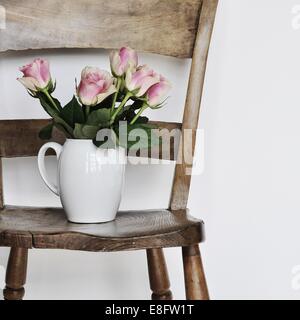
(90, 180)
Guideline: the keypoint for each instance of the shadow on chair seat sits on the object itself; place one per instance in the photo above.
(132, 230)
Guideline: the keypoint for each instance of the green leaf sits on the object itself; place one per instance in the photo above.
(99, 118)
(134, 140)
(90, 131)
(63, 130)
(57, 102)
(83, 131)
(141, 120)
(106, 103)
(53, 112)
(78, 134)
(128, 113)
(138, 104)
(72, 113)
(46, 105)
(46, 132)
(146, 126)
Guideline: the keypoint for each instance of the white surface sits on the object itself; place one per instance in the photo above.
(248, 194)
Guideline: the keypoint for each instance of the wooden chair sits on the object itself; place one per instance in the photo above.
(179, 28)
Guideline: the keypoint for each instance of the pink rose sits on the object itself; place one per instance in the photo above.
(157, 94)
(36, 75)
(95, 86)
(140, 80)
(122, 60)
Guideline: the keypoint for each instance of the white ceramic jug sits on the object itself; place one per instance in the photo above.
(90, 179)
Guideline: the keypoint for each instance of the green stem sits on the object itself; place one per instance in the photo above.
(116, 95)
(45, 91)
(127, 97)
(144, 107)
(87, 111)
(56, 116)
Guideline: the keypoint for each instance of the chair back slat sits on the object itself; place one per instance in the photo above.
(20, 138)
(165, 27)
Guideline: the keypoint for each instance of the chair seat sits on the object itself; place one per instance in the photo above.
(132, 230)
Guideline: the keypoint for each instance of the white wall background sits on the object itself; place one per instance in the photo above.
(248, 194)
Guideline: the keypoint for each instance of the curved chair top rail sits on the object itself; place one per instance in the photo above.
(166, 27)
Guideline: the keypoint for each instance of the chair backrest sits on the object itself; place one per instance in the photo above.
(160, 26)
(179, 28)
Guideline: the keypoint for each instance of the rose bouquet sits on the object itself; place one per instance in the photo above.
(103, 100)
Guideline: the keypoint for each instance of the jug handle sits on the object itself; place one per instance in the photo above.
(42, 167)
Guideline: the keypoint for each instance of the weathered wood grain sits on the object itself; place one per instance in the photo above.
(1, 186)
(16, 274)
(195, 281)
(170, 133)
(159, 26)
(20, 138)
(158, 275)
(182, 178)
(49, 228)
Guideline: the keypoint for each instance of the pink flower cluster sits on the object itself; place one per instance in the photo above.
(140, 80)
(96, 85)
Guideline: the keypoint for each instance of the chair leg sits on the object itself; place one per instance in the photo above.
(158, 275)
(195, 282)
(16, 274)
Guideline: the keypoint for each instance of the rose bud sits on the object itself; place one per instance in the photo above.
(95, 86)
(139, 81)
(122, 60)
(37, 76)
